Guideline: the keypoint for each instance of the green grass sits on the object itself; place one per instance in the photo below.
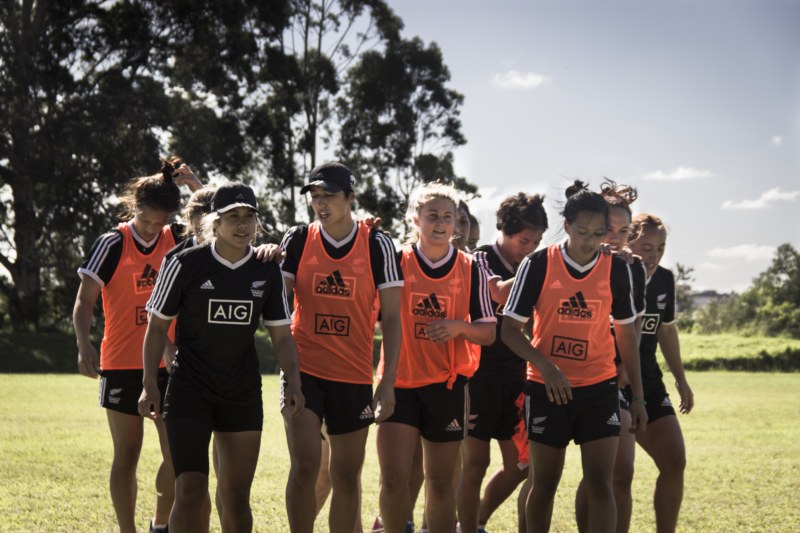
(743, 445)
(727, 351)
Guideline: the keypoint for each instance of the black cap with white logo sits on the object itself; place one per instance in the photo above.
(233, 195)
(331, 176)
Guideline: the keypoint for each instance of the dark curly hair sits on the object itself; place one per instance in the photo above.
(520, 212)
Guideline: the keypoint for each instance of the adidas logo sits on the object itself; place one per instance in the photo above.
(148, 277)
(207, 285)
(240, 196)
(367, 413)
(333, 285)
(429, 307)
(575, 307)
(556, 285)
(453, 426)
(614, 420)
(665, 402)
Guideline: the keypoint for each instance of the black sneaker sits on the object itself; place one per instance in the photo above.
(162, 529)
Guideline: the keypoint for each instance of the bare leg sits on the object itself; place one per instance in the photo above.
(623, 476)
(663, 441)
(127, 432)
(416, 479)
(396, 447)
(322, 488)
(165, 479)
(191, 493)
(503, 482)
(475, 456)
(597, 458)
(238, 458)
(302, 435)
(546, 466)
(440, 460)
(346, 461)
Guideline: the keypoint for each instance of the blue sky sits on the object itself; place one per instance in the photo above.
(693, 102)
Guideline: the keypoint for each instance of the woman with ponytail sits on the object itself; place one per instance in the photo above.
(123, 265)
(570, 289)
(619, 198)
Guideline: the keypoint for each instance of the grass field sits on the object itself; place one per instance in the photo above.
(743, 442)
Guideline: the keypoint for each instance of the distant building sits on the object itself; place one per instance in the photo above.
(703, 298)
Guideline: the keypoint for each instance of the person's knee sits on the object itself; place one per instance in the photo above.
(476, 465)
(236, 500)
(304, 471)
(623, 473)
(393, 481)
(438, 485)
(191, 489)
(126, 456)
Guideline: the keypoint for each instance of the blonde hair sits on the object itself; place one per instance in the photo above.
(208, 231)
(643, 221)
(421, 196)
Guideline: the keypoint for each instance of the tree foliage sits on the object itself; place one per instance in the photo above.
(93, 92)
(399, 124)
(771, 306)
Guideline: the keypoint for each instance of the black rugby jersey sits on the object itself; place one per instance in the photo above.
(103, 258)
(660, 310)
(498, 362)
(480, 303)
(219, 305)
(381, 253)
(531, 273)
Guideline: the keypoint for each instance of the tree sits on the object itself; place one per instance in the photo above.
(324, 37)
(683, 295)
(93, 92)
(399, 124)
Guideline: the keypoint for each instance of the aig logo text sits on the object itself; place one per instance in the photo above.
(232, 312)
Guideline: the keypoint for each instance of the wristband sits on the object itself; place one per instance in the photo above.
(640, 401)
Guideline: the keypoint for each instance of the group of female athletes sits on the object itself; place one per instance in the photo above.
(532, 348)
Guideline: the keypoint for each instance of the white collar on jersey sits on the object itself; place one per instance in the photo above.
(502, 259)
(338, 244)
(227, 263)
(568, 260)
(441, 262)
(141, 241)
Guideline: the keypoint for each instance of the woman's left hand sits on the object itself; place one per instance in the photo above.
(295, 401)
(444, 330)
(686, 394)
(269, 252)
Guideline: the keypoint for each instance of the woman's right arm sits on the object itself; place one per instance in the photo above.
(88, 358)
(155, 340)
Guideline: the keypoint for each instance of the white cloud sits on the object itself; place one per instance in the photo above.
(765, 200)
(746, 252)
(777, 140)
(708, 265)
(679, 174)
(514, 79)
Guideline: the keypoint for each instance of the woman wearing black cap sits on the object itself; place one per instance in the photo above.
(336, 267)
(122, 265)
(218, 291)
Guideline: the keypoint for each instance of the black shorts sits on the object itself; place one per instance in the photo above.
(120, 389)
(658, 403)
(593, 413)
(191, 417)
(439, 413)
(344, 407)
(493, 409)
